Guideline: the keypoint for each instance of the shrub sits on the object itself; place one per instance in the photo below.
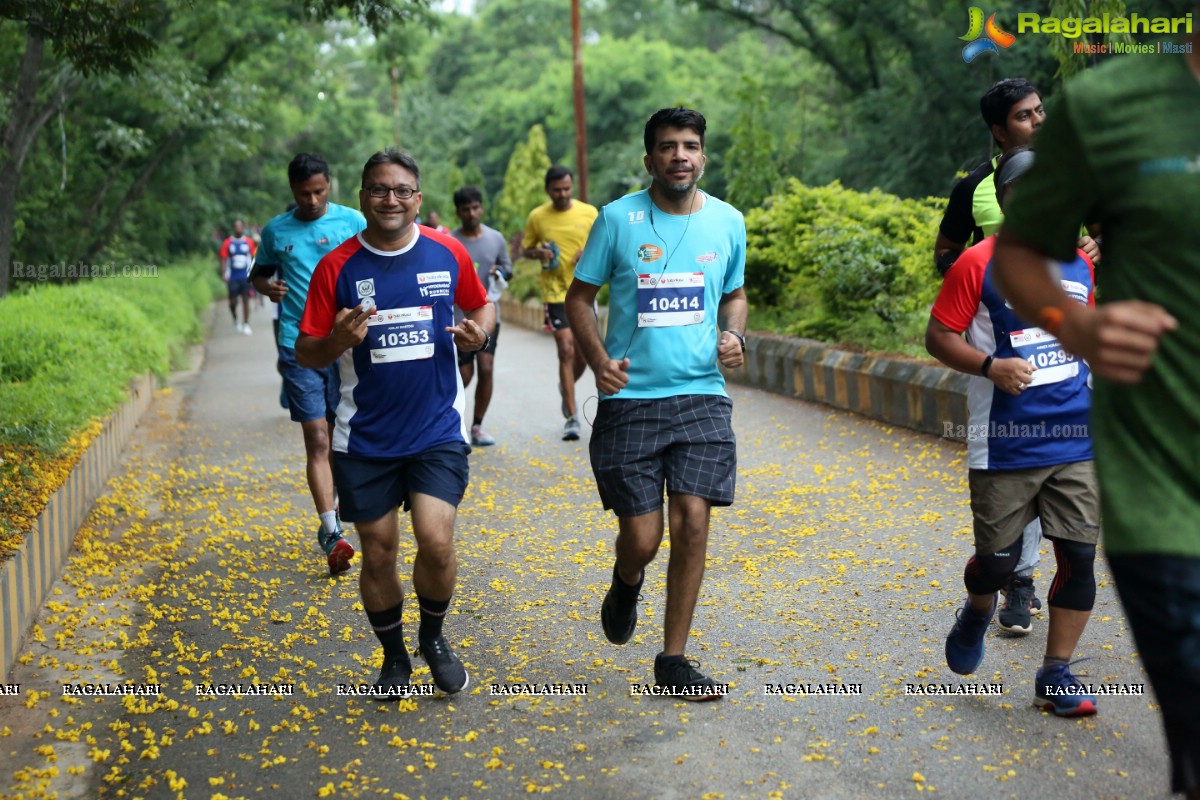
(68, 352)
(844, 266)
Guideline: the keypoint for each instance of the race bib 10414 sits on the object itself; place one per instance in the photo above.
(670, 299)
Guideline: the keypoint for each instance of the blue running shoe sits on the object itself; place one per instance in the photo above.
(964, 645)
(1059, 691)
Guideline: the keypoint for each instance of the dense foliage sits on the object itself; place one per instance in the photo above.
(55, 377)
(842, 266)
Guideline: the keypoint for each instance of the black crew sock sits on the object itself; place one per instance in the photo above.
(623, 588)
(388, 628)
(478, 421)
(433, 612)
(1054, 661)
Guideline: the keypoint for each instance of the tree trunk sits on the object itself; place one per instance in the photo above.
(18, 134)
(132, 195)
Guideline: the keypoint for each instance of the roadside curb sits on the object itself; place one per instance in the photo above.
(924, 397)
(26, 578)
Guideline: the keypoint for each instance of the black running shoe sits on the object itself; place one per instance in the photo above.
(1015, 611)
(448, 672)
(618, 612)
(393, 677)
(678, 677)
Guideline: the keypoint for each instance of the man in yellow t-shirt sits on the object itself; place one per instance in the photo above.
(555, 235)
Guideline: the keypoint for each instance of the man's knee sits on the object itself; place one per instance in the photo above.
(566, 345)
(986, 574)
(436, 552)
(379, 550)
(639, 538)
(316, 437)
(1074, 586)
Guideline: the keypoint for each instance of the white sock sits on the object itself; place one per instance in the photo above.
(329, 521)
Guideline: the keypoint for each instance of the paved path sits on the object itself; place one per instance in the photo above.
(840, 562)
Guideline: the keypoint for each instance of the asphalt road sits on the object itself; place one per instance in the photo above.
(840, 563)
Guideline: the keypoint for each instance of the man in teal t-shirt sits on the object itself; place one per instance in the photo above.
(674, 259)
(1121, 148)
(292, 244)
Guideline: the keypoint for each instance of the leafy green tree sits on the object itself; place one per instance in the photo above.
(749, 164)
(164, 93)
(524, 182)
(93, 37)
(1069, 62)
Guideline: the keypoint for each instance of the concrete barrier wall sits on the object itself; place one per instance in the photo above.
(904, 392)
(26, 578)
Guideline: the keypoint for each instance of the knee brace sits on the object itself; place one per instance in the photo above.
(988, 574)
(1074, 586)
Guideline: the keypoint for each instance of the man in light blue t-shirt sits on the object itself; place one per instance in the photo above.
(292, 244)
(674, 259)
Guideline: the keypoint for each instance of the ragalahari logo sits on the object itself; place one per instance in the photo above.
(983, 38)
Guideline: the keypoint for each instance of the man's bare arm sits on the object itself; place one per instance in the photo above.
(611, 375)
(1117, 339)
(731, 316)
(349, 329)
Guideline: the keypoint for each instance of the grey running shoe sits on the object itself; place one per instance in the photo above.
(393, 677)
(571, 430)
(448, 672)
(479, 438)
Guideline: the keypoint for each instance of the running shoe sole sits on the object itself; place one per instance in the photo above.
(339, 557)
(1084, 709)
(1015, 628)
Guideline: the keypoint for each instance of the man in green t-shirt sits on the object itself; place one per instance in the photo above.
(1120, 147)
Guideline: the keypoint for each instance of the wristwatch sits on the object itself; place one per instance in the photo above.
(741, 337)
(487, 340)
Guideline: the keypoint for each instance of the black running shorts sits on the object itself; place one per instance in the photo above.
(683, 443)
(369, 488)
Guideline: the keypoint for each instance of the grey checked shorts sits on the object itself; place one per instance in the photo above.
(684, 443)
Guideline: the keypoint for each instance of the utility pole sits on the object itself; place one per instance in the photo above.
(580, 117)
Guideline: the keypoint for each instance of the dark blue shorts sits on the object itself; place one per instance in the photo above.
(684, 444)
(311, 393)
(369, 488)
(239, 288)
(1161, 595)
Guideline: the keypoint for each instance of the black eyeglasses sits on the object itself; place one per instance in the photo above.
(380, 192)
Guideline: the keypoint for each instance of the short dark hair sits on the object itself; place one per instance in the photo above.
(999, 100)
(678, 117)
(467, 195)
(305, 165)
(557, 173)
(392, 156)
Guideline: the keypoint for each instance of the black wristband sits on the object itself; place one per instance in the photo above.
(487, 339)
(946, 260)
(741, 337)
(987, 364)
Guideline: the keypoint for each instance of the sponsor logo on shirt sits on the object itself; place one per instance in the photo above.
(706, 258)
(1076, 289)
(649, 252)
(434, 284)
